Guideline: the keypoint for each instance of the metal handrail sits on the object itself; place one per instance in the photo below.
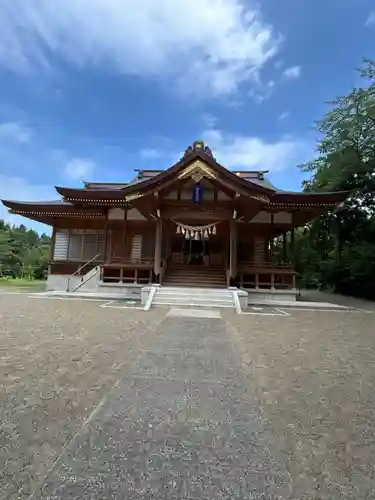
(79, 270)
(86, 264)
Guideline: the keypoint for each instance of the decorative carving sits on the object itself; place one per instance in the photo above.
(133, 196)
(260, 197)
(197, 168)
(197, 176)
(198, 146)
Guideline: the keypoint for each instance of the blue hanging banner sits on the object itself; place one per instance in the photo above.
(197, 192)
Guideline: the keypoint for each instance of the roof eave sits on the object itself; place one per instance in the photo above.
(186, 160)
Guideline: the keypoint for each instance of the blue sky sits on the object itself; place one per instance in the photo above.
(93, 89)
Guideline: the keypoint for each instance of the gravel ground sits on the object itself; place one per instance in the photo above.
(57, 360)
(311, 376)
(314, 373)
(182, 424)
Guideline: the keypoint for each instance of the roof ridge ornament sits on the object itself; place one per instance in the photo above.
(198, 146)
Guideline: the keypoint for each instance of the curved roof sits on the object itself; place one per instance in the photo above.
(157, 181)
(250, 184)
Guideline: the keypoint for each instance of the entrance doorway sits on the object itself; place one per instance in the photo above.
(196, 252)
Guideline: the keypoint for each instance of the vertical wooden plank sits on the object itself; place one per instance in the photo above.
(125, 232)
(233, 249)
(292, 239)
(82, 245)
(69, 237)
(272, 237)
(53, 242)
(284, 247)
(272, 281)
(158, 245)
(106, 241)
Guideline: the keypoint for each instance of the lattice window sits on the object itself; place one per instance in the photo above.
(60, 251)
(85, 245)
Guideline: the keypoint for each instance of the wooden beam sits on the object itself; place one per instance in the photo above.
(233, 249)
(158, 247)
(125, 231)
(52, 251)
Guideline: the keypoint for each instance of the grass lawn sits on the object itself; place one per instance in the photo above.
(20, 282)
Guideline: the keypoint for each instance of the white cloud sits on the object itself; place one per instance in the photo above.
(79, 168)
(248, 152)
(15, 132)
(212, 46)
(261, 94)
(283, 116)
(20, 189)
(209, 120)
(150, 154)
(292, 73)
(370, 20)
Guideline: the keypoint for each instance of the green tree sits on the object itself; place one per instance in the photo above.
(23, 252)
(338, 250)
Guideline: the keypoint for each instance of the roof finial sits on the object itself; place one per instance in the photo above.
(198, 146)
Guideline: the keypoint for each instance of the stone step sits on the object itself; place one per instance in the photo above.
(191, 302)
(187, 280)
(199, 286)
(190, 296)
(202, 292)
(186, 296)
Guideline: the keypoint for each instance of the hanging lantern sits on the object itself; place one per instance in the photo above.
(206, 234)
(214, 230)
(196, 237)
(187, 235)
(183, 230)
(178, 230)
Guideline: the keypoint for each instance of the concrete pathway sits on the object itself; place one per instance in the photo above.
(183, 424)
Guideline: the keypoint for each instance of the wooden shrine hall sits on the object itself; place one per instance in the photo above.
(195, 223)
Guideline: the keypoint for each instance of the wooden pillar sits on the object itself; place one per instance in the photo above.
(158, 245)
(233, 249)
(106, 233)
(69, 240)
(53, 242)
(284, 247)
(272, 237)
(125, 232)
(292, 239)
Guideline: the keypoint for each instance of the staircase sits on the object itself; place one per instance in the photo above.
(193, 297)
(195, 276)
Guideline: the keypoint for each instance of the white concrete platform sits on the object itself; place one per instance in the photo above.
(194, 313)
(87, 295)
(296, 304)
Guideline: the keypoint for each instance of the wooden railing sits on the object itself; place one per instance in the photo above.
(70, 267)
(136, 271)
(266, 275)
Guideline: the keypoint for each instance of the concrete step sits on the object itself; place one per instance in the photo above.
(202, 292)
(211, 298)
(191, 302)
(190, 296)
(191, 282)
(194, 297)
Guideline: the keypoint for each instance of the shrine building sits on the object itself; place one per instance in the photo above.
(195, 224)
